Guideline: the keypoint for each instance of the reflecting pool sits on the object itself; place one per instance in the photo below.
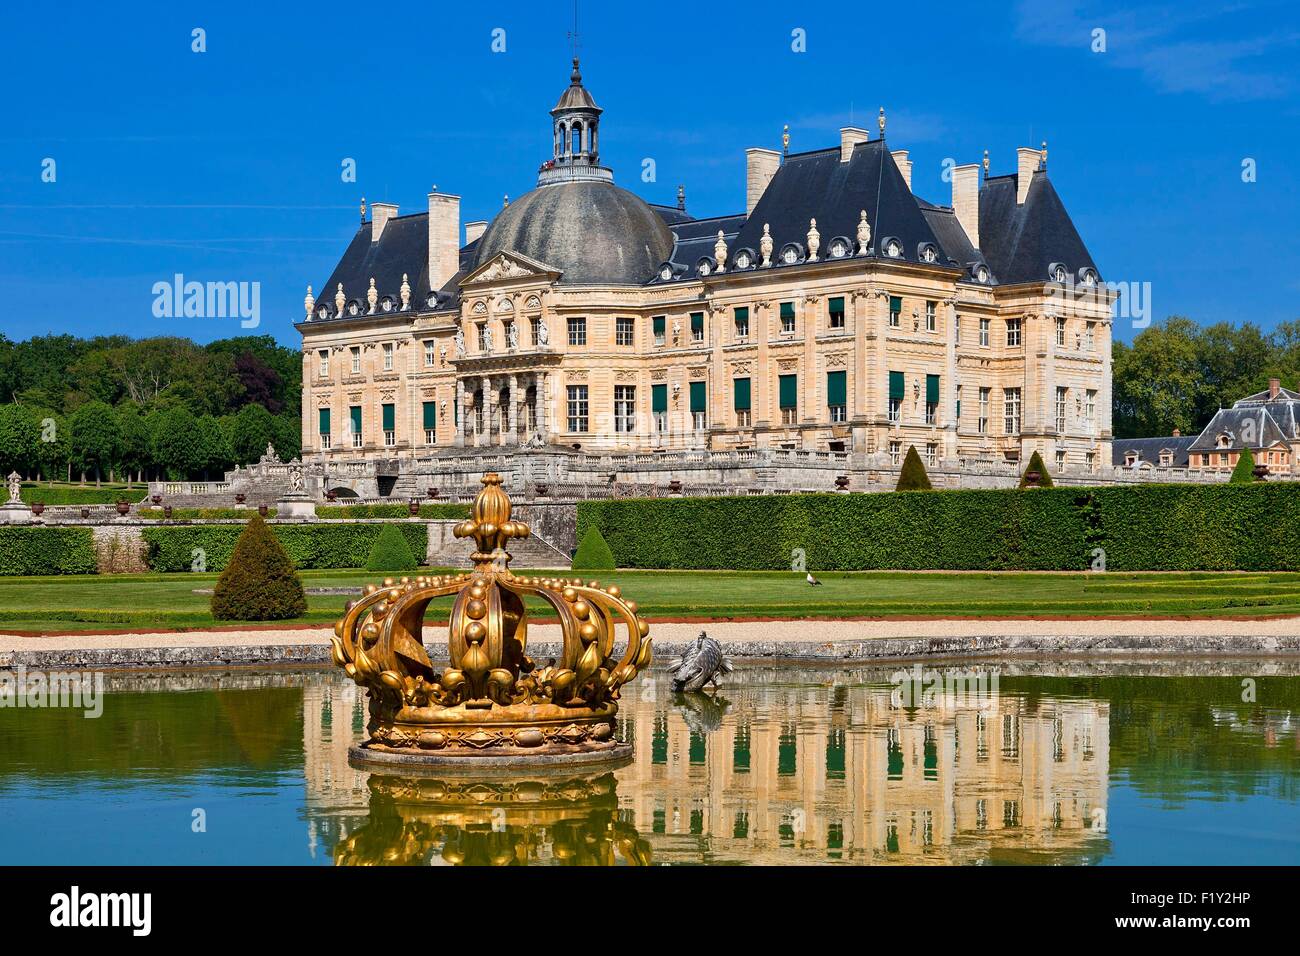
(1048, 762)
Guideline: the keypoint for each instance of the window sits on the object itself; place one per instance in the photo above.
(984, 333)
(896, 386)
(578, 333)
(895, 452)
(741, 401)
(324, 356)
(788, 398)
(1060, 333)
(984, 411)
(323, 428)
(931, 315)
(741, 316)
(356, 360)
(624, 408)
(1013, 332)
(659, 406)
(697, 326)
(1167, 458)
(1090, 336)
(931, 399)
(536, 330)
(430, 410)
(787, 318)
(430, 353)
(1011, 411)
(354, 422)
(388, 356)
(387, 412)
(956, 327)
(1060, 459)
(958, 421)
(1090, 459)
(658, 321)
(577, 406)
(507, 330)
(699, 405)
(931, 453)
(837, 395)
(1062, 395)
(482, 337)
(1090, 406)
(624, 331)
(895, 310)
(835, 309)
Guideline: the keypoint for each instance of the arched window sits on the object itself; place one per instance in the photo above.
(576, 147)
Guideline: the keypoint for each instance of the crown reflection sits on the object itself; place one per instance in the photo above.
(493, 700)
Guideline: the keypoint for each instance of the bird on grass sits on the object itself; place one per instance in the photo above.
(701, 663)
(812, 580)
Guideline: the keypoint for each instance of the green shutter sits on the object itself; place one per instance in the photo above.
(699, 401)
(932, 389)
(742, 314)
(837, 304)
(959, 409)
(895, 303)
(741, 386)
(789, 391)
(389, 417)
(430, 415)
(787, 310)
(837, 388)
(697, 321)
(355, 413)
(659, 326)
(324, 421)
(895, 384)
(659, 398)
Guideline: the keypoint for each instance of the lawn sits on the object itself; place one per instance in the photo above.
(95, 602)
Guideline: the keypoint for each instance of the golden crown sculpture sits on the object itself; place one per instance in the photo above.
(492, 700)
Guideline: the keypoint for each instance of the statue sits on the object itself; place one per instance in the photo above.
(271, 457)
(460, 343)
(15, 487)
(543, 336)
(295, 477)
(512, 335)
(487, 338)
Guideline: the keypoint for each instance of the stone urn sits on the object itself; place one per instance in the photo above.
(413, 506)
(675, 487)
(85, 512)
(167, 511)
(331, 496)
(38, 507)
(540, 490)
(1032, 478)
(262, 510)
(124, 508)
(156, 499)
(841, 482)
(1260, 472)
(432, 493)
(240, 498)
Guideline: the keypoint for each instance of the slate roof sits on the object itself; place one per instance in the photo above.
(1150, 449)
(1021, 241)
(1252, 425)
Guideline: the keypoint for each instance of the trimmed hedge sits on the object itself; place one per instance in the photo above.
(148, 513)
(309, 546)
(391, 553)
(62, 493)
(1150, 527)
(47, 551)
(260, 582)
(431, 511)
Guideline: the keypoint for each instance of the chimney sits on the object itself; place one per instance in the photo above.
(474, 229)
(444, 239)
(1027, 159)
(966, 200)
(850, 136)
(1274, 386)
(760, 166)
(380, 213)
(1178, 433)
(904, 165)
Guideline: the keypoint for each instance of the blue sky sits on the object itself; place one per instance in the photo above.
(225, 165)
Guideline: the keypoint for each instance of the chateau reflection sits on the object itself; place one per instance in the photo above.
(769, 772)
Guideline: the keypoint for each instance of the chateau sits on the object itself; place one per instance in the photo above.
(839, 312)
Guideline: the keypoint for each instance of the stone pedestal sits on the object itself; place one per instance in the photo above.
(16, 512)
(297, 507)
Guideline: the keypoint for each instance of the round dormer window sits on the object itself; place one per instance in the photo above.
(982, 275)
(386, 303)
(705, 267)
(928, 254)
(790, 256)
(1089, 277)
(666, 273)
(743, 261)
(353, 308)
(323, 312)
(893, 249)
(1059, 273)
(839, 248)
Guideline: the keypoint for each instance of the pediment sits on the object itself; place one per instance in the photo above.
(511, 265)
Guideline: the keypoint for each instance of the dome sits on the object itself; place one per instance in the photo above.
(591, 230)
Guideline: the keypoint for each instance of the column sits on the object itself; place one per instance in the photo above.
(489, 408)
(760, 382)
(544, 405)
(810, 372)
(949, 392)
(510, 435)
(877, 408)
(461, 426)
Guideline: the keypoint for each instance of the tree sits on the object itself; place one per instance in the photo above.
(1157, 381)
(19, 440)
(390, 552)
(1244, 472)
(260, 583)
(252, 429)
(912, 476)
(1036, 464)
(215, 445)
(95, 438)
(175, 442)
(593, 553)
(133, 429)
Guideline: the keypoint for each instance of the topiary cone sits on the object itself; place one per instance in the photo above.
(1036, 465)
(593, 552)
(912, 476)
(1244, 472)
(390, 552)
(260, 583)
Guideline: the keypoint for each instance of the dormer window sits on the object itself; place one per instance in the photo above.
(1130, 458)
(791, 253)
(744, 259)
(839, 247)
(928, 253)
(982, 275)
(1059, 273)
(666, 272)
(705, 266)
(893, 249)
(1089, 278)
(1222, 441)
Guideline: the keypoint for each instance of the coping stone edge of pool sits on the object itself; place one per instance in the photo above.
(894, 648)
